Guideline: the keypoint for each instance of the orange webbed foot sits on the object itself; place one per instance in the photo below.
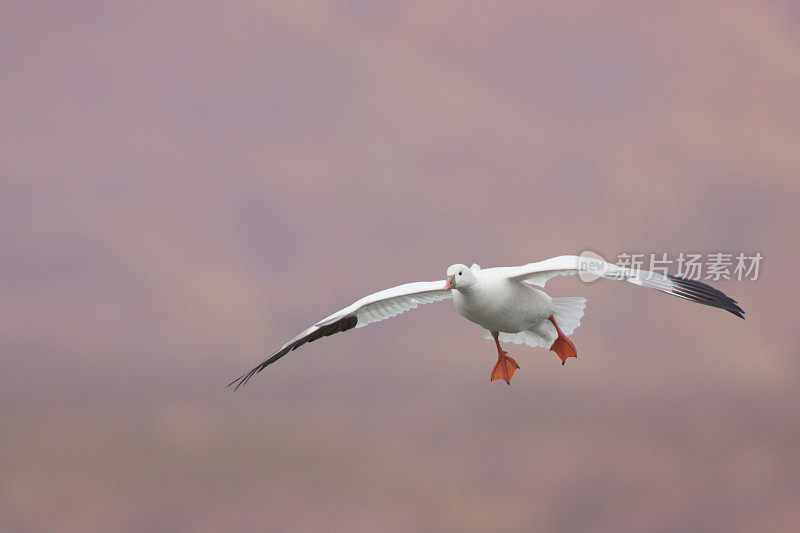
(564, 349)
(504, 368)
(562, 345)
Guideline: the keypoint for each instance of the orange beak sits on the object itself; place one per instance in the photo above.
(449, 283)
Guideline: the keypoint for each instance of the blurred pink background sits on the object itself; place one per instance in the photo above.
(187, 185)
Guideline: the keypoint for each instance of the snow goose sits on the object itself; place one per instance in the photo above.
(502, 301)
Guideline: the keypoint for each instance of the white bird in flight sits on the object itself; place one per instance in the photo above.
(502, 301)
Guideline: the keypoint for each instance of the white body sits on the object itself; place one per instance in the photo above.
(501, 304)
(504, 303)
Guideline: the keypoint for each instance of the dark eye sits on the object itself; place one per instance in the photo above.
(459, 273)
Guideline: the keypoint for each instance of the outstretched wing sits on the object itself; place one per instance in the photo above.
(567, 265)
(378, 306)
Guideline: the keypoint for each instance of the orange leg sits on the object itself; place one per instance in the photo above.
(562, 345)
(506, 366)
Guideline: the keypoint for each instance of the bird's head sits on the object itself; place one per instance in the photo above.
(459, 277)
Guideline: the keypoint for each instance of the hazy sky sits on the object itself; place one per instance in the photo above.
(185, 186)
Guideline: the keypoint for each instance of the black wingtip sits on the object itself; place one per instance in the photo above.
(241, 380)
(705, 294)
(343, 324)
(237, 380)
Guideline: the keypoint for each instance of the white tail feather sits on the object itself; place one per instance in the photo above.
(568, 312)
